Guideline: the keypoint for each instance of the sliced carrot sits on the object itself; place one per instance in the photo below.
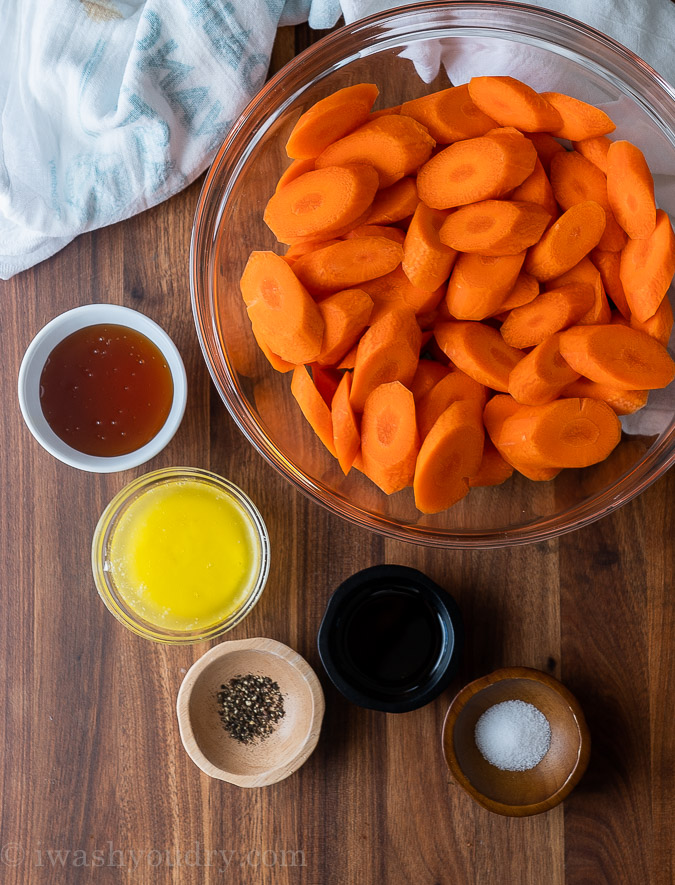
(480, 351)
(658, 326)
(393, 145)
(496, 411)
(547, 314)
(630, 188)
(377, 230)
(493, 469)
(326, 381)
(428, 374)
(565, 433)
(347, 263)
(396, 289)
(541, 375)
(389, 440)
(313, 406)
(617, 356)
(586, 272)
(349, 360)
(281, 309)
(567, 241)
(595, 150)
(295, 170)
(495, 227)
(394, 203)
(322, 201)
(449, 455)
(513, 103)
(345, 316)
(575, 179)
(275, 361)
(480, 283)
(525, 289)
(346, 430)
(388, 351)
(546, 147)
(456, 386)
(330, 119)
(609, 265)
(647, 268)
(476, 169)
(580, 119)
(426, 261)
(623, 402)
(385, 112)
(299, 249)
(449, 115)
(537, 189)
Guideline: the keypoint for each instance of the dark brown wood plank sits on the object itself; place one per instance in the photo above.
(93, 760)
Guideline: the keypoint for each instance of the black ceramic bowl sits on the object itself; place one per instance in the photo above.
(390, 638)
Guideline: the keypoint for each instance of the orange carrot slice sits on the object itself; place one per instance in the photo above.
(493, 470)
(449, 455)
(476, 169)
(567, 241)
(313, 406)
(537, 189)
(385, 112)
(389, 440)
(396, 289)
(513, 103)
(542, 374)
(393, 145)
(586, 272)
(347, 263)
(495, 227)
(377, 230)
(449, 115)
(496, 411)
(426, 261)
(546, 147)
(394, 203)
(595, 150)
(580, 119)
(622, 402)
(456, 386)
(480, 283)
(322, 201)
(349, 360)
(480, 351)
(630, 188)
(565, 433)
(345, 316)
(525, 289)
(575, 179)
(275, 361)
(331, 118)
(428, 374)
(388, 351)
(617, 356)
(609, 266)
(281, 309)
(547, 314)
(346, 431)
(295, 170)
(647, 268)
(658, 326)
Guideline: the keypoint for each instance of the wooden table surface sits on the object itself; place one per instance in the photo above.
(95, 785)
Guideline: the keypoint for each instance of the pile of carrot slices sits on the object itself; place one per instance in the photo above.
(475, 282)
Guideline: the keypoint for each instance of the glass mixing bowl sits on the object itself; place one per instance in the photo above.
(402, 51)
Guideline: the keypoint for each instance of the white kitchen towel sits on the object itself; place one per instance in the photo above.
(109, 107)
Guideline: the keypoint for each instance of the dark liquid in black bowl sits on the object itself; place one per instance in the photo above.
(394, 639)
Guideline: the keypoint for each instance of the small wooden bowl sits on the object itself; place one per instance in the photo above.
(517, 793)
(263, 762)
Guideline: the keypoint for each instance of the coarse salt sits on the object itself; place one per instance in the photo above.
(513, 735)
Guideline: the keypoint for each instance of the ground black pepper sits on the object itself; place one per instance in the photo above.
(250, 707)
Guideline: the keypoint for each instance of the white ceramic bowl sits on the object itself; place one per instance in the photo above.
(46, 340)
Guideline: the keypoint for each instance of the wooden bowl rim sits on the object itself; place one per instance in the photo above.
(314, 693)
(471, 690)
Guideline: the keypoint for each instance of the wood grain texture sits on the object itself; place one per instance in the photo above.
(93, 765)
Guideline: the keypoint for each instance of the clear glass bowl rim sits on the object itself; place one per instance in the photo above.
(282, 89)
(109, 518)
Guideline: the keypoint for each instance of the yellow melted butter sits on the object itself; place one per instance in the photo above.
(184, 555)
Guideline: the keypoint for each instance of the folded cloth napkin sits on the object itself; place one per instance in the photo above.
(111, 106)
